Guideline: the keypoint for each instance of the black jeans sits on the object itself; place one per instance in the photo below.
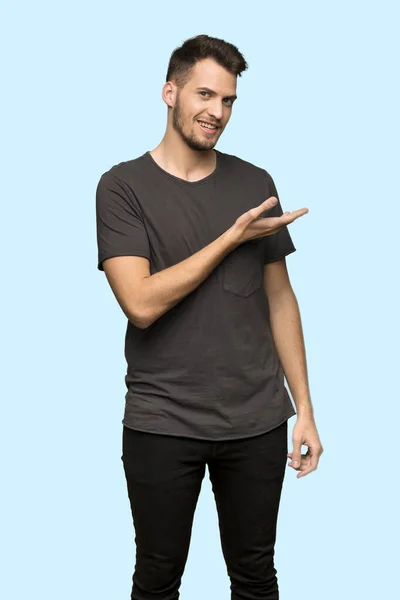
(164, 475)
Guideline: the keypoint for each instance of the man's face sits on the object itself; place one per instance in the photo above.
(207, 96)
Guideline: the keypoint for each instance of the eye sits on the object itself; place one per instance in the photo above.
(229, 100)
(205, 93)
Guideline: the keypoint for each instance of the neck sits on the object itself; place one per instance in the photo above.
(175, 156)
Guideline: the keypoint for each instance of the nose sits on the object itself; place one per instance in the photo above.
(216, 110)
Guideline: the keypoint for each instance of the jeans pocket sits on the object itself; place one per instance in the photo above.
(242, 270)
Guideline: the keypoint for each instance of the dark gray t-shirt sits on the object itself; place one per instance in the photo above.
(208, 367)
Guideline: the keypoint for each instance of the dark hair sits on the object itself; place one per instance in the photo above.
(184, 58)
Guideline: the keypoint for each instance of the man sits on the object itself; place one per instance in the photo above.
(193, 244)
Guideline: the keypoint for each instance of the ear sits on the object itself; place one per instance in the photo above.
(169, 92)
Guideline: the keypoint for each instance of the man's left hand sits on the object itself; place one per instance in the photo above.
(305, 433)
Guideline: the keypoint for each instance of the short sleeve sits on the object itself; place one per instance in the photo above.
(280, 244)
(119, 221)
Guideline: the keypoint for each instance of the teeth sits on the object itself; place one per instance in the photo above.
(206, 125)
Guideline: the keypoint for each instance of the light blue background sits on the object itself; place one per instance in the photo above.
(318, 108)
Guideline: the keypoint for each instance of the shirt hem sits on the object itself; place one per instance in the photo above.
(223, 439)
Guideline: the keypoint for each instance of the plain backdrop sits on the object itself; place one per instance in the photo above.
(319, 109)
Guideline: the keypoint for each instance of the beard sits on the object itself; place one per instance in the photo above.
(195, 142)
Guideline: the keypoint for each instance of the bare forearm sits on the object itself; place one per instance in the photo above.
(289, 341)
(163, 290)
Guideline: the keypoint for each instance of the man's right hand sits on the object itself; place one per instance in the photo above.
(251, 225)
(144, 298)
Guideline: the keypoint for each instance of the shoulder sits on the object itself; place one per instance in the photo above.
(125, 170)
(245, 168)
(115, 187)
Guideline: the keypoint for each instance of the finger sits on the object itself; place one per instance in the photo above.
(296, 454)
(278, 223)
(290, 464)
(266, 205)
(290, 216)
(314, 461)
(290, 455)
(296, 462)
(312, 465)
(274, 224)
(305, 472)
(304, 463)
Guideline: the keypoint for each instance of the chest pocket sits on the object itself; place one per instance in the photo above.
(242, 270)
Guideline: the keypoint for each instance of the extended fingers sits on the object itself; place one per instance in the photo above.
(290, 216)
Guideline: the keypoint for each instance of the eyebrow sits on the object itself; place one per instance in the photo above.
(206, 89)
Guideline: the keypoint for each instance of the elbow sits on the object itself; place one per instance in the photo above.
(140, 311)
(140, 319)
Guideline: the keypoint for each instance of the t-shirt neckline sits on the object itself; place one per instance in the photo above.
(184, 181)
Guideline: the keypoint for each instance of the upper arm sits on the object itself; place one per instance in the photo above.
(276, 277)
(125, 275)
(120, 223)
(123, 245)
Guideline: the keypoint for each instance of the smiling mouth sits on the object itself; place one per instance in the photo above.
(206, 127)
